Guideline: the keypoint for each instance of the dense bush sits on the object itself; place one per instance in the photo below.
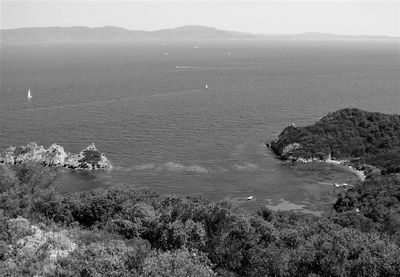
(373, 205)
(111, 258)
(91, 156)
(177, 263)
(388, 161)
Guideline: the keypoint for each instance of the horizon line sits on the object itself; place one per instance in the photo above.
(203, 26)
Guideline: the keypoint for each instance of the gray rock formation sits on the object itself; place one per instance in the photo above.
(88, 158)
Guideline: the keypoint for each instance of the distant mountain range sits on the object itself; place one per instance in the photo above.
(190, 32)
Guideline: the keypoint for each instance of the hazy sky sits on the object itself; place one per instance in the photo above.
(268, 17)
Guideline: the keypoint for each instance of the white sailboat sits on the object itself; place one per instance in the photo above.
(206, 85)
(250, 197)
(29, 94)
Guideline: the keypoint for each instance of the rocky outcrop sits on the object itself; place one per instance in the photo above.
(55, 155)
(88, 158)
(288, 150)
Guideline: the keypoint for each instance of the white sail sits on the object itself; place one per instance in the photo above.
(206, 85)
(29, 94)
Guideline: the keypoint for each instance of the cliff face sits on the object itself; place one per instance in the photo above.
(88, 158)
(345, 134)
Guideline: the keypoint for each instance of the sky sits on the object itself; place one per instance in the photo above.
(266, 17)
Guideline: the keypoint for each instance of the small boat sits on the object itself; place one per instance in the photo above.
(249, 197)
(206, 85)
(29, 94)
(340, 185)
(165, 53)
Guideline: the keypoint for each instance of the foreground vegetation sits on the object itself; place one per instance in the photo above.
(125, 231)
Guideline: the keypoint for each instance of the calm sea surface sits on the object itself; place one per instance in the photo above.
(146, 106)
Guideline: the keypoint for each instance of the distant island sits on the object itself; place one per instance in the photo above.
(189, 32)
(367, 140)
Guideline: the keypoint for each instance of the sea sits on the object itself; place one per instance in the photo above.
(192, 117)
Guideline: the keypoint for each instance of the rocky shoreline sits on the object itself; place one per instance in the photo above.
(89, 158)
(362, 171)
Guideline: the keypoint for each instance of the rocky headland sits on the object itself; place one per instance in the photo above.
(351, 137)
(89, 158)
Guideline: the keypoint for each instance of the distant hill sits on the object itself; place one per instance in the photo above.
(110, 33)
(68, 34)
(196, 32)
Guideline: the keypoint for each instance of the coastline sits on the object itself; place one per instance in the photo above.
(359, 173)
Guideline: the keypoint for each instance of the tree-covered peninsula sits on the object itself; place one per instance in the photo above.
(128, 231)
(348, 134)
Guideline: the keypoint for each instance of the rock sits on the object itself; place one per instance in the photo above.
(88, 158)
(8, 156)
(288, 149)
(54, 156)
(305, 160)
(31, 152)
(71, 161)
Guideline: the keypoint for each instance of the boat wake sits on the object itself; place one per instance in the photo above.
(187, 67)
(208, 67)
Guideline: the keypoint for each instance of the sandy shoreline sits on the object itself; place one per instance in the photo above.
(360, 174)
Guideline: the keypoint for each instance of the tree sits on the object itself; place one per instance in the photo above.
(177, 263)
